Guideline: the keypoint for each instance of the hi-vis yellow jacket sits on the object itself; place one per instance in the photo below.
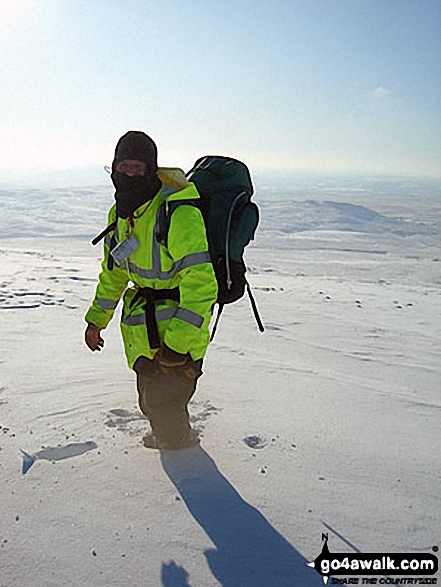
(185, 263)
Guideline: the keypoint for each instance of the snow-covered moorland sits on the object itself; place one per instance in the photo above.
(329, 422)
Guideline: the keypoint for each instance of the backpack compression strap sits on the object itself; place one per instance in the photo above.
(255, 310)
(166, 211)
(104, 233)
(219, 312)
(112, 226)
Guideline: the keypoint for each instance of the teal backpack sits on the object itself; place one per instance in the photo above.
(225, 188)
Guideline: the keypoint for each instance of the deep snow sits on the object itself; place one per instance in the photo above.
(327, 422)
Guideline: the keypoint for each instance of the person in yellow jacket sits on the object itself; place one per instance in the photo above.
(168, 287)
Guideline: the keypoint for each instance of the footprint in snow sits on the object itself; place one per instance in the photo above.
(22, 300)
(255, 442)
(271, 326)
(265, 288)
(121, 419)
(76, 278)
(200, 413)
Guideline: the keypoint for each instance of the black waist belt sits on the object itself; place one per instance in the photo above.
(151, 296)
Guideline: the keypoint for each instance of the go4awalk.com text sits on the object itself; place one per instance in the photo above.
(384, 581)
(377, 564)
(376, 568)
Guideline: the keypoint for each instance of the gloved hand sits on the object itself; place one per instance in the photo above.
(93, 338)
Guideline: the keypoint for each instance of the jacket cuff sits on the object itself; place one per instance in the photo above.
(101, 319)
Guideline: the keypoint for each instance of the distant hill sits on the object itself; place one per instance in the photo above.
(91, 175)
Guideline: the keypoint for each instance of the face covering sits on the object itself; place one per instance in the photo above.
(133, 192)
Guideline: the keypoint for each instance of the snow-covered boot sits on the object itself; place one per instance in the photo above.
(186, 440)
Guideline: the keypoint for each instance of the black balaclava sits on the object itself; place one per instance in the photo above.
(132, 192)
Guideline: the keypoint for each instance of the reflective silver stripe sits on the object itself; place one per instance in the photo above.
(133, 320)
(156, 247)
(156, 271)
(107, 304)
(189, 316)
(193, 259)
(166, 314)
(163, 314)
(187, 261)
(146, 273)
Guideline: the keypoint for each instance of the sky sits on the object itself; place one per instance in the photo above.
(293, 85)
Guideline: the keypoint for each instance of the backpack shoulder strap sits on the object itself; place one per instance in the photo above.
(165, 213)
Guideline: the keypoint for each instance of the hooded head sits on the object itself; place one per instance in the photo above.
(133, 191)
(138, 146)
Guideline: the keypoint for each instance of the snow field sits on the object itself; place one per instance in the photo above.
(330, 418)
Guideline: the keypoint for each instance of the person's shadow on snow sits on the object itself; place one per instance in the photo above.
(249, 551)
(173, 575)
